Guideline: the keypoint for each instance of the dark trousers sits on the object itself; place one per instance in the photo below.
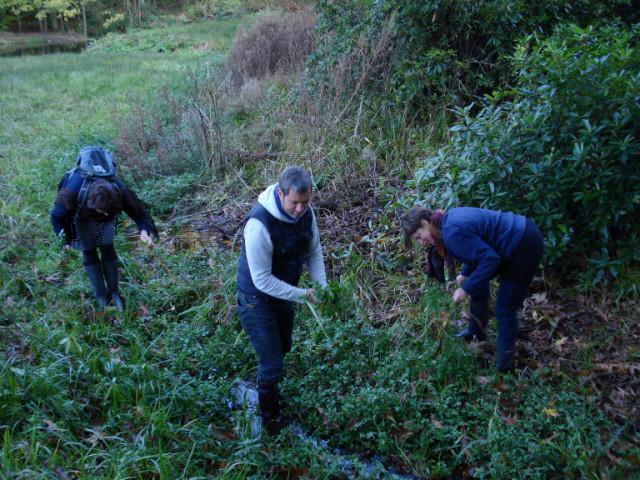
(107, 252)
(269, 324)
(515, 276)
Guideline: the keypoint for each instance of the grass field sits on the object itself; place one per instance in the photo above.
(145, 394)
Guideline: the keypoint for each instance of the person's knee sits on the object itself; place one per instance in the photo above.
(271, 371)
(483, 295)
(507, 320)
(90, 257)
(480, 309)
(108, 253)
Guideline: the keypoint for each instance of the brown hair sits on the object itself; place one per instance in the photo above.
(411, 222)
(104, 196)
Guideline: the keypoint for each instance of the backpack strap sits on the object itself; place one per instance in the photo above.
(82, 194)
(81, 198)
(65, 178)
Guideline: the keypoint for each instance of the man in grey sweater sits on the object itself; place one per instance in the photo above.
(279, 237)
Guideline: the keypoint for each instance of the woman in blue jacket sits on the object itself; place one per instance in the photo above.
(88, 221)
(489, 243)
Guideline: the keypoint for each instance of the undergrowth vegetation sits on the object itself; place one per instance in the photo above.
(448, 53)
(375, 383)
(560, 146)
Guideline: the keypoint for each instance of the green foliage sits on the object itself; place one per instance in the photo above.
(116, 22)
(222, 8)
(178, 36)
(144, 394)
(446, 52)
(386, 390)
(563, 150)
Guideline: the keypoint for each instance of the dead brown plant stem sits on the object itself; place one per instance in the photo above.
(366, 68)
(204, 126)
(214, 114)
(355, 129)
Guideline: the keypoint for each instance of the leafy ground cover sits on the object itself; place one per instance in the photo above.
(173, 35)
(374, 370)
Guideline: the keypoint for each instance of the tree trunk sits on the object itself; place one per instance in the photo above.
(84, 20)
(19, 24)
(54, 22)
(128, 5)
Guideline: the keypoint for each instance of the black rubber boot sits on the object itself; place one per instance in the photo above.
(477, 323)
(268, 398)
(94, 272)
(111, 276)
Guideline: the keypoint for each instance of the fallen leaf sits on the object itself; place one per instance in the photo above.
(539, 298)
(559, 343)
(510, 419)
(54, 279)
(52, 426)
(435, 422)
(500, 386)
(95, 437)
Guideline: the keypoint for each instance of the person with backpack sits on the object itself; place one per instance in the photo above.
(89, 200)
(489, 243)
(280, 235)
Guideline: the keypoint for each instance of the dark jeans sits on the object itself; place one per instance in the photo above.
(269, 325)
(515, 276)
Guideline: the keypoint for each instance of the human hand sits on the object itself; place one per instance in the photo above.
(459, 295)
(311, 295)
(460, 279)
(144, 237)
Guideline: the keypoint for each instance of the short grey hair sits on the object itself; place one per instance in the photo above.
(296, 178)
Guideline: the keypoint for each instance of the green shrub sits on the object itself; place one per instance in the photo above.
(222, 8)
(115, 23)
(447, 52)
(563, 150)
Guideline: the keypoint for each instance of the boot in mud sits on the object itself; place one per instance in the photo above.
(268, 398)
(111, 276)
(94, 272)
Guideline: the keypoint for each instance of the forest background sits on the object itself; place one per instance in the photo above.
(511, 105)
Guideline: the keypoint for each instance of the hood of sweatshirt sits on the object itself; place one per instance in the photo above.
(268, 200)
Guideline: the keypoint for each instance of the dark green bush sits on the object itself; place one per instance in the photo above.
(563, 149)
(446, 53)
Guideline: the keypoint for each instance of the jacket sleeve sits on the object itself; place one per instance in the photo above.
(136, 209)
(61, 222)
(467, 269)
(65, 206)
(473, 250)
(315, 262)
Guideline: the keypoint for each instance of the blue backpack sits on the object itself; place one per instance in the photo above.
(93, 163)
